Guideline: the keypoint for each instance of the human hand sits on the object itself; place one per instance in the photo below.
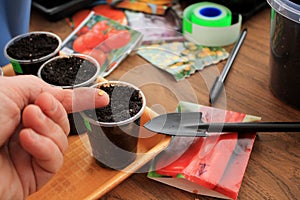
(33, 131)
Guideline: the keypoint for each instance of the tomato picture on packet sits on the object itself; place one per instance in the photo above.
(104, 39)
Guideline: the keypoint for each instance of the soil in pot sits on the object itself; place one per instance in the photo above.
(125, 102)
(29, 51)
(115, 146)
(32, 47)
(68, 71)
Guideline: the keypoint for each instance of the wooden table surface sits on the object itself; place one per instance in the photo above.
(273, 171)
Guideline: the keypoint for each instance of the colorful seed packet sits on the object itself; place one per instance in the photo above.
(106, 40)
(209, 166)
(181, 59)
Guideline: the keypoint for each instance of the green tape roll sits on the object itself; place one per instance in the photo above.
(210, 24)
(210, 14)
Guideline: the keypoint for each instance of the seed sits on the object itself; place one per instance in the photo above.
(101, 92)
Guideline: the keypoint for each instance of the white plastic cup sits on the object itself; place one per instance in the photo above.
(30, 66)
(114, 144)
(86, 83)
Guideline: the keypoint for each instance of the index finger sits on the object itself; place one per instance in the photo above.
(27, 88)
(78, 99)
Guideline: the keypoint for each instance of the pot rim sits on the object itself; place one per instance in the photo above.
(286, 8)
(18, 37)
(84, 56)
(119, 123)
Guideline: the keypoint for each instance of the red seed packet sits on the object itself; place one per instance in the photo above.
(212, 166)
(108, 41)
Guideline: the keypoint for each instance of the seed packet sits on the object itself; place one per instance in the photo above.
(211, 166)
(155, 27)
(104, 39)
(150, 7)
(181, 59)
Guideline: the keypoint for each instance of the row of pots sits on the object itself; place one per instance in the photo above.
(114, 142)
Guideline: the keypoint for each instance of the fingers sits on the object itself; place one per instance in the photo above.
(44, 135)
(46, 153)
(87, 98)
(10, 116)
(80, 99)
(54, 110)
(24, 90)
(45, 125)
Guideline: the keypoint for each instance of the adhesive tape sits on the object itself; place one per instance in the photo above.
(211, 14)
(210, 24)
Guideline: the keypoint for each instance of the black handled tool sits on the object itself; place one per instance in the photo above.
(190, 124)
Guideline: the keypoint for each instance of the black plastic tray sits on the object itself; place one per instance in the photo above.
(57, 9)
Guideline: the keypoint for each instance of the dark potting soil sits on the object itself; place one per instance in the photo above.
(125, 102)
(68, 71)
(32, 47)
